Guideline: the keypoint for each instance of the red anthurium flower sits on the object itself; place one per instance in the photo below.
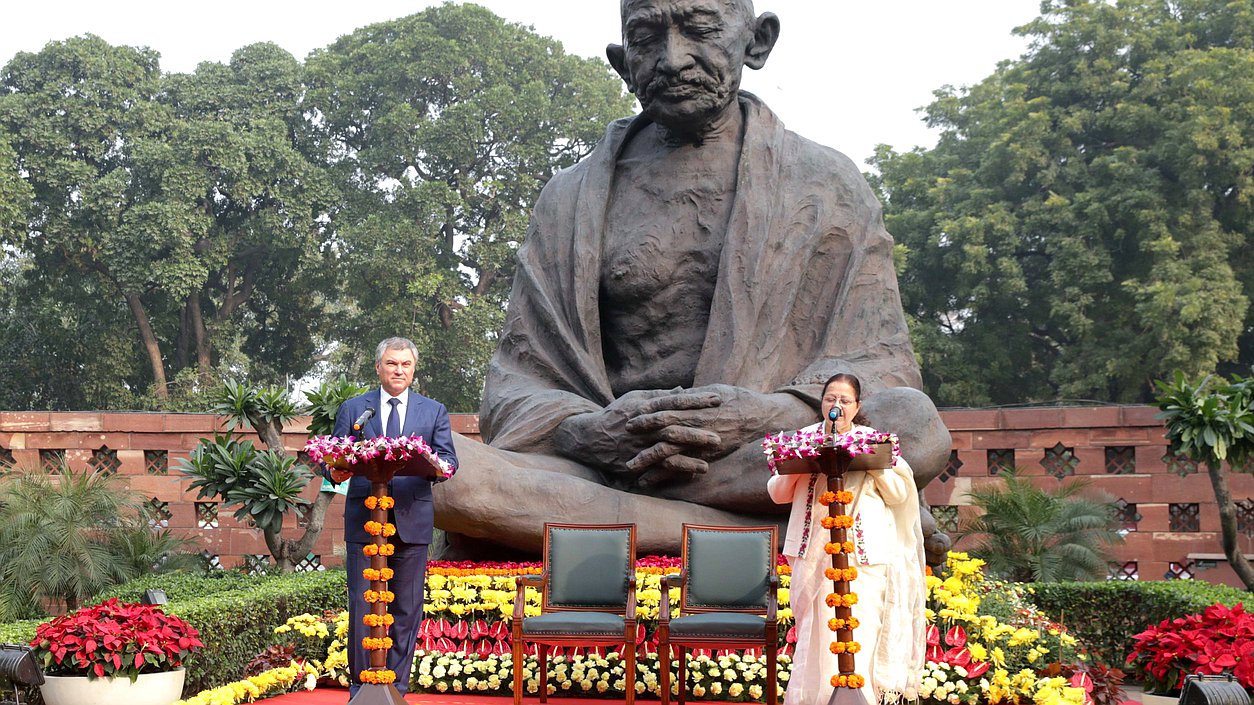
(956, 636)
(977, 669)
(933, 635)
(958, 656)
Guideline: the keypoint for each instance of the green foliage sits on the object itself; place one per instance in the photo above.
(235, 614)
(1085, 222)
(441, 128)
(69, 538)
(324, 404)
(264, 485)
(183, 200)
(1029, 534)
(1106, 615)
(1210, 421)
(236, 625)
(241, 403)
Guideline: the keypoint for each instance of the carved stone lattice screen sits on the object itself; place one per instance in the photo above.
(951, 468)
(1125, 570)
(157, 462)
(1245, 516)
(1000, 460)
(206, 515)
(104, 460)
(51, 460)
(1120, 460)
(1179, 570)
(1179, 465)
(1185, 516)
(1060, 461)
(1126, 514)
(946, 516)
(159, 513)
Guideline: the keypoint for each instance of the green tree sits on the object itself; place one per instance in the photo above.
(1084, 223)
(1029, 534)
(184, 198)
(69, 537)
(1212, 422)
(441, 128)
(266, 486)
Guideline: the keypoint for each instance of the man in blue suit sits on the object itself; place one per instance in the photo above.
(397, 412)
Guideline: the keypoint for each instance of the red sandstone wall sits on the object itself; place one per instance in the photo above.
(1178, 529)
(137, 444)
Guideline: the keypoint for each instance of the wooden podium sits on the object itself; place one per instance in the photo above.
(379, 472)
(835, 462)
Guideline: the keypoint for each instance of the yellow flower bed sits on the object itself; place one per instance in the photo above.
(273, 682)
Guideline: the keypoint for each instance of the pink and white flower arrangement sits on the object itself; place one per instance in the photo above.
(806, 444)
(347, 451)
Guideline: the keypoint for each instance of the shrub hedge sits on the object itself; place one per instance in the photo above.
(235, 614)
(1106, 615)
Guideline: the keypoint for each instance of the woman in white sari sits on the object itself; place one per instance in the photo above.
(888, 553)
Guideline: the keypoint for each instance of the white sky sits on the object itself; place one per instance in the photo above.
(847, 73)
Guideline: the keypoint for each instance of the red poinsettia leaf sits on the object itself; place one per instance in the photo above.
(99, 670)
(139, 660)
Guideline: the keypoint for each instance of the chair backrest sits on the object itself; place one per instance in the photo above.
(588, 566)
(729, 569)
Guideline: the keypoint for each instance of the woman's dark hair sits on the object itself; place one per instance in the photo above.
(859, 419)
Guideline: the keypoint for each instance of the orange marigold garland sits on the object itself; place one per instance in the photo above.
(381, 677)
(378, 620)
(377, 575)
(841, 599)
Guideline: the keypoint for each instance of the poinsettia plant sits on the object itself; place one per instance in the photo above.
(1220, 639)
(114, 639)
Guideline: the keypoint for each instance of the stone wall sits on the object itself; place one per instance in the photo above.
(1169, 515)
(1171, 520)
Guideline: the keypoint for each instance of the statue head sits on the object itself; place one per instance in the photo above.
(683, 58)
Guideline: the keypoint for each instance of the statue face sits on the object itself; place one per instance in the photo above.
(683, 58)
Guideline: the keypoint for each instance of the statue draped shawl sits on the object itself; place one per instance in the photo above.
(806, 287)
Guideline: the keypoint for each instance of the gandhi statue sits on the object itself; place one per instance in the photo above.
(683, 291)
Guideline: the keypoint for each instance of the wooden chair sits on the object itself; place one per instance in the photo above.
(728, 597)
(589, 598)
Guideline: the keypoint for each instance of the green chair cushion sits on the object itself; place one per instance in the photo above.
(589, 623)
(729, 569)
(731, 625)
(588, 567)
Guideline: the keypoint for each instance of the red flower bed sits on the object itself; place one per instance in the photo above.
(1218, 640)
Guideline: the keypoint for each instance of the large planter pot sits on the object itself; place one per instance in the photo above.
(149, 689)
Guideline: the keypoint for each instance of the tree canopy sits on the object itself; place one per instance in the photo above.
(441, 128)
(1085, 223)
(262, 217)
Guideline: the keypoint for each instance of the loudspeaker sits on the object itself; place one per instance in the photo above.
(1213, 690)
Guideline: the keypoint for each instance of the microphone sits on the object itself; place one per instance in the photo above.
(361, 420)
(832, 416)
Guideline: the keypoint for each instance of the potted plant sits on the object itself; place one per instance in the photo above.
(1219, 640)
(114, 653)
